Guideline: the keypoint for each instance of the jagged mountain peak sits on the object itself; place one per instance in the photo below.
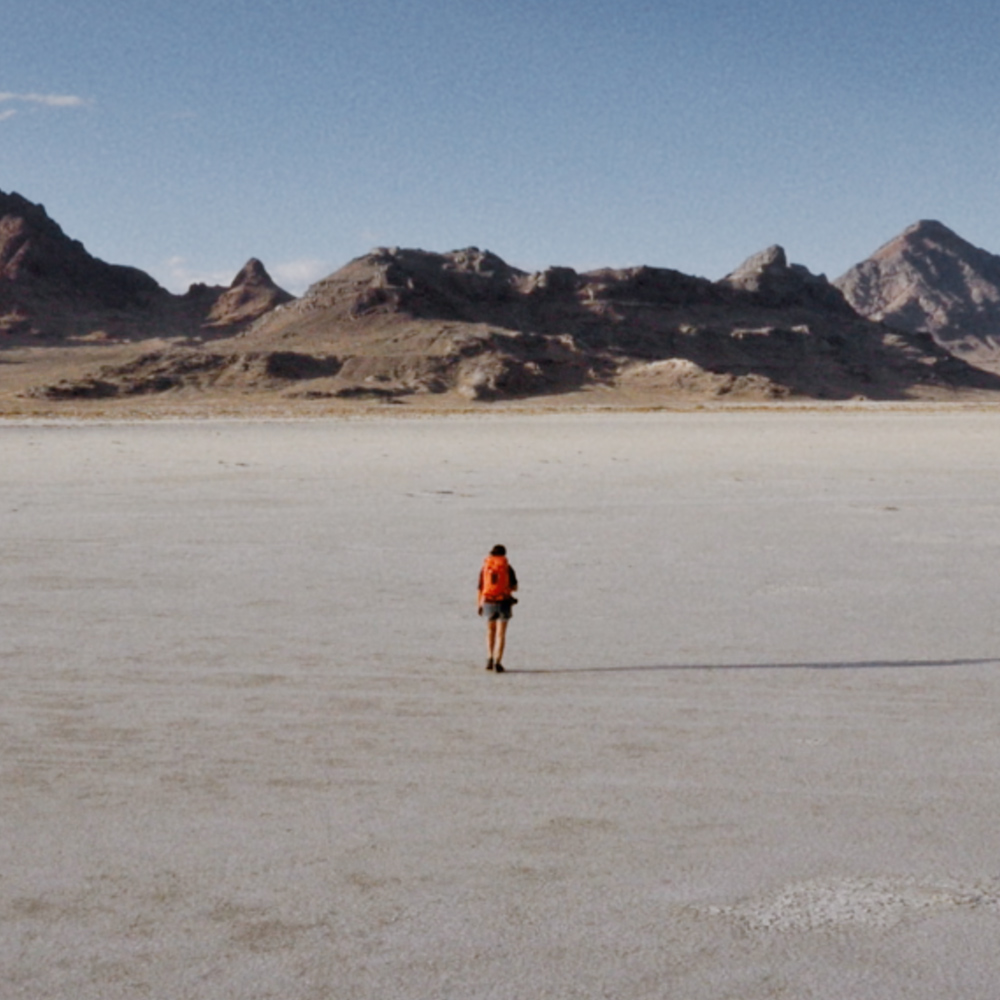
(769, 275)
(918, 238)
(930, 229)
(253, 272)
(49, 282)
(770, 260)
(251, 294)
(51, 288)
(928, 278)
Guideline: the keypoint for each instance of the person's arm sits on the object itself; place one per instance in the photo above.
(513, 578)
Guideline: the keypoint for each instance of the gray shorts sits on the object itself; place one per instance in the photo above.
(499, 611)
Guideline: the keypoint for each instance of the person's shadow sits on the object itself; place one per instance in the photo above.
(831, 665)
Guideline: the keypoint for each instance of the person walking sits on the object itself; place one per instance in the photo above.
(497, 583)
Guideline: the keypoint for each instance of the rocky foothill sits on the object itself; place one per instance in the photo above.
(405, 325)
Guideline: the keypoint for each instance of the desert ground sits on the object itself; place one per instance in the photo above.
(747, 746)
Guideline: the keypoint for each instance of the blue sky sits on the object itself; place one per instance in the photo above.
(185, 137)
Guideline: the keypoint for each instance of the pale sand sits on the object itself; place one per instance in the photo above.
(748, 746)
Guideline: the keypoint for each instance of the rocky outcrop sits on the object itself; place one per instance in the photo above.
(251, 295)
(775, 282)
(930, 279)
(189, 368)
(53, 290)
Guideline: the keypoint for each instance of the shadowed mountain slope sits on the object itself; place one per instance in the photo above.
(53, 290)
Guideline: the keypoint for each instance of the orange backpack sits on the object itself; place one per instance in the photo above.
(496, 579)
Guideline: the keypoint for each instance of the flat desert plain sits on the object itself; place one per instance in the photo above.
(748, 745)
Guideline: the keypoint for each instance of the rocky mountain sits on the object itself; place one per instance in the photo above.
(53, 290)
(930, 279)
(400, 323)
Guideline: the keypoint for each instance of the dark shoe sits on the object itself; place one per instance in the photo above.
(498, 667)
(489, 665)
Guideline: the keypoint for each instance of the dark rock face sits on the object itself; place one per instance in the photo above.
(930, 279)
(52, 289)
(49, 284)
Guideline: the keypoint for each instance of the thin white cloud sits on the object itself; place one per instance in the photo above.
(296, 276)
(39, 101)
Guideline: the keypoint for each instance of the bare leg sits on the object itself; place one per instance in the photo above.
(491, 631)
(499, 640)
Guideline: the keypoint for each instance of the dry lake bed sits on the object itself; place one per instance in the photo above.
(747, 747)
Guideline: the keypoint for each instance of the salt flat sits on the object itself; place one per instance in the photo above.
(747, 746)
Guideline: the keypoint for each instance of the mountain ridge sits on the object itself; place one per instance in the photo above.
(404, 324)
(52, 289)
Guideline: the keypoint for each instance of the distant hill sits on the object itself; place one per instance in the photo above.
(398, 323)
(53, 290)
(930, 279)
